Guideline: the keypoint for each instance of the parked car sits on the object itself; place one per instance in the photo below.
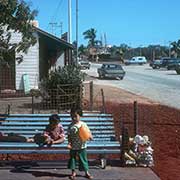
(165, 61)
(156, 64)
(173, 64)
(161, 63)
(136, 60)
(151, 63)
(84, 64)
(111, 71)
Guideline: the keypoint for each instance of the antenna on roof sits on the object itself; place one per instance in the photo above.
(54, 26)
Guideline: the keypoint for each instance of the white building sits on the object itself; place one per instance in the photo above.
(49, 52)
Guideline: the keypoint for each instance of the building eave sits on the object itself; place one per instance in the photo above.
(58, 40)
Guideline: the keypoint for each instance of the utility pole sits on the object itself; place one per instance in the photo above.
(105, 42)
(61, 28)
(76, 31)
(53, 25)
(69, 21)
(140, 50)
(154, 55)
(101, 39)
(169, 48)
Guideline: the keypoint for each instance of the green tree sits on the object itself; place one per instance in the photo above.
(16, 16)
(91, 36)
(75, 48)
(176, 48)
(82, 49)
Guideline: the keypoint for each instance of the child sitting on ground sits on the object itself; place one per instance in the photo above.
(53, 133)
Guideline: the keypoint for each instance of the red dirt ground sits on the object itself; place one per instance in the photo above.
(159, 122)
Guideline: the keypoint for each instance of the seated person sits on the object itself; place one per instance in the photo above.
(12, 137)
(53, 133)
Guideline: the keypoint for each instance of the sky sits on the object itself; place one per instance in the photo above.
(137, 23)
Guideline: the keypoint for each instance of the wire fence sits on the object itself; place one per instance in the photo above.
(52, 100)
(160, 123)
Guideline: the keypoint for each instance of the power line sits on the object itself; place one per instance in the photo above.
(54, 17)
(54, 26)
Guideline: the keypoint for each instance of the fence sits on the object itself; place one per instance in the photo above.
(60, 99)
(53, 100)
(160, 123)
(93, 98)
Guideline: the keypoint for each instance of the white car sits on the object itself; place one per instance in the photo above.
(84, 64)
(137, 60)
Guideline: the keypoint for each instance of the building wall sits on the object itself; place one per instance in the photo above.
(29, 65)
(59, 62)
(34, 65)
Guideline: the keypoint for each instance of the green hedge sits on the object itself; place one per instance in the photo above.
(178, 70)
(64, 86)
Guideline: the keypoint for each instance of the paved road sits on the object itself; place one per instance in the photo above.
(159, 85)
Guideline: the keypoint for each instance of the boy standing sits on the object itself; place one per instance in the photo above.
(77, 146)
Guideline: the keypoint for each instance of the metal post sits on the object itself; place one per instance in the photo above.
(91, 95)
(169, 48)
(135, 118)
(9, 109)
(124, 142)
(32, 104)
(76, 31)
(140, 50)
(69, 21)
(154, 55)
(61, 28)
(122, 146)
(103, 102)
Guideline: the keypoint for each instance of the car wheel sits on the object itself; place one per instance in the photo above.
(100, 76)
(119, 78)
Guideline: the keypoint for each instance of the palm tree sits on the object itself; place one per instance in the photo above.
(91, 36)
(176, 48)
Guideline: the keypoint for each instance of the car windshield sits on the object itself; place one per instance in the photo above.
(114, 66)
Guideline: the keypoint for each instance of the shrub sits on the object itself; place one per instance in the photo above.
(64, 87)
(69, 74)
(178, 70)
